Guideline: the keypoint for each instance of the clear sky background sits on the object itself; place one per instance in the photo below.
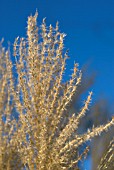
(89, 25)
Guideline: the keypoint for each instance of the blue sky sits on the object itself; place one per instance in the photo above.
(89, 26)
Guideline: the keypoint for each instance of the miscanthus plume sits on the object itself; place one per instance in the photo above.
(36, 131)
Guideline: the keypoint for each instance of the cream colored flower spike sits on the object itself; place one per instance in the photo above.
(36, 139)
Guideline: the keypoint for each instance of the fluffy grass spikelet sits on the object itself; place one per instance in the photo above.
(38, 139)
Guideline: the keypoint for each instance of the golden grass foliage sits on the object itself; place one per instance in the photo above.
(107, 162)
(44, 136)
